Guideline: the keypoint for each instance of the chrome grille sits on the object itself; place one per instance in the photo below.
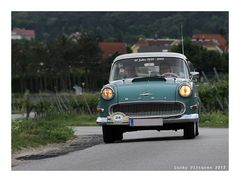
(160, 109)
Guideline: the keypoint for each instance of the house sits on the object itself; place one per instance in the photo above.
(213, 42)
(154, 45)
(110, 48)
(18, 33)
(210, 45)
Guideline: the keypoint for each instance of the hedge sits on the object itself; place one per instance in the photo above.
(43, 104)
(214, 97)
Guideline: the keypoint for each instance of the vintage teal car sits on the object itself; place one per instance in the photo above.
(149, 91)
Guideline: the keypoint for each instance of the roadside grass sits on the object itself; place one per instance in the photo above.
(72, 119)
(31, 133)
(54, 128)
(214, 120)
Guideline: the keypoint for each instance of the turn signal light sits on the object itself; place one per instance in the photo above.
(100, 110)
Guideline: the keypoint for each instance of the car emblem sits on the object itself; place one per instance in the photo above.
(146, 94)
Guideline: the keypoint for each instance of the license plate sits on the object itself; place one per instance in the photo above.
(146, 122)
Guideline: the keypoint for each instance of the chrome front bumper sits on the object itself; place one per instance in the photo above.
(186, 118)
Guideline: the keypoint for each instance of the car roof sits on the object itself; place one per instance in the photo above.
(150, 54)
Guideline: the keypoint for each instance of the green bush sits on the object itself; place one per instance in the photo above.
(214, 96)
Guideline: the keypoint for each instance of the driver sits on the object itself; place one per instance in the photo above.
(129, 72)
(165, 68)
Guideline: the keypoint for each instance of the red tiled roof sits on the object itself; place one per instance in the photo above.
(110, 48)
(218, 37)
(24, 32)
(205, 43)
(210, 45)
(156, 42)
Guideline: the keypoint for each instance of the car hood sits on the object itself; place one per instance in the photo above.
(146, 90)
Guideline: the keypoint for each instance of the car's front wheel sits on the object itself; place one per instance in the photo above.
(197, 132)
(111, 133)
(118, 134)
(190, 130)
(108, 136)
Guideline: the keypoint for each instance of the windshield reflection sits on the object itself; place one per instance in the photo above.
(148, 67)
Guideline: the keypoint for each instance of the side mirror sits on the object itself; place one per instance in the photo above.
(194, 76)
(106, 82)
(190, 65)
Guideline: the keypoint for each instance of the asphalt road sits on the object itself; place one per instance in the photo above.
(144, 150)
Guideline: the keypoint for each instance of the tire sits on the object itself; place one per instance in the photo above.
(190, 130)
(197, 132)
(108, 134)
(118, 133)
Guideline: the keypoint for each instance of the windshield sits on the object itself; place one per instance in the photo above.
(148, 67)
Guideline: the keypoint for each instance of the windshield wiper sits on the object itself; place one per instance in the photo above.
(150, 78)
(174, 75)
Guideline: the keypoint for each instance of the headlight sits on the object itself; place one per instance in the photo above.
(107, 93)
(185, 90)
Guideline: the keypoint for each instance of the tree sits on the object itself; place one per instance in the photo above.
(54, 65)
(203, 59)
(21, 62)
(121, 25)
(85, 55)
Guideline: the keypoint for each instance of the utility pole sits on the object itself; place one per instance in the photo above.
(182, 39)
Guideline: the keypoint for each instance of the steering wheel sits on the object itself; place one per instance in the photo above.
(170, 74)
